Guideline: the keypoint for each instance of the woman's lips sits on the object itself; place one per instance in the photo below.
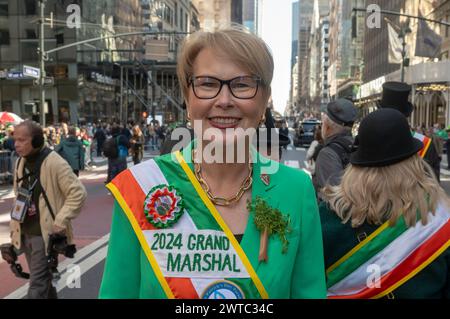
(224, 122)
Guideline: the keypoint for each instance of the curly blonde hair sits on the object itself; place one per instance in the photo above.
(379, 194)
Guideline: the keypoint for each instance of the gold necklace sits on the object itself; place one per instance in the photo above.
(220, 201)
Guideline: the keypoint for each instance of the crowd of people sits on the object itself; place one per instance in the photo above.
(80, 144)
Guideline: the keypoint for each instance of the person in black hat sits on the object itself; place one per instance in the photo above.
(389, 205)
(265, 143)
(395, 96)
(337, 121)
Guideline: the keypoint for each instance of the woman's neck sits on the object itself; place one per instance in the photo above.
(223, 175)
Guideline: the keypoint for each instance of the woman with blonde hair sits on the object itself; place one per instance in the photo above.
(386, 228)
(187, 225)
(137, 142)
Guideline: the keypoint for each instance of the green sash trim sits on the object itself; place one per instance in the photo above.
(364, 251)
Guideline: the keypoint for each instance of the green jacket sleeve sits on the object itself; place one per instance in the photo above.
(121, 276)
(309, 277)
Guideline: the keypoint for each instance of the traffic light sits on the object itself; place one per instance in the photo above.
(144, 115)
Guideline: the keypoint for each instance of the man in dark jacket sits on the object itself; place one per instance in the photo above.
(119, 163)
(337, 121)
(100, 137)
(72, 150)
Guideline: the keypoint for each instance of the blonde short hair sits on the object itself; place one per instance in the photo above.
(378, 194)
(242, 47)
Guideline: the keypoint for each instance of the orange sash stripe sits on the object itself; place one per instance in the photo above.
(134, 197)
(426, 144)
(182, 288)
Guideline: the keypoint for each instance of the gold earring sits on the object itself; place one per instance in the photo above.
(188, 122)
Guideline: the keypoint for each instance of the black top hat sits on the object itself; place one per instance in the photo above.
(395, 96)
(342, 111)
(384, 138)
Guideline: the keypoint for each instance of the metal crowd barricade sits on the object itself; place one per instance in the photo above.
(7, 160)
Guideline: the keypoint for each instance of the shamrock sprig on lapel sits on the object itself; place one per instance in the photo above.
(269, 221)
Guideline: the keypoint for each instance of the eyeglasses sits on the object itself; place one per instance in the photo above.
(241, 87)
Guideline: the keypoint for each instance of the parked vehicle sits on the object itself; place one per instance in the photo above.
(305, 132)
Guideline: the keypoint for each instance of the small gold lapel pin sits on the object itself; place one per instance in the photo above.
(265, 179)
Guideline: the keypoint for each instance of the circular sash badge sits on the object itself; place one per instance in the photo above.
(223, 289)
(163, 206)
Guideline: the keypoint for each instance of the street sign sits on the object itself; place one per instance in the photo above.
(31, 71)
(49, 81)
(14, 75)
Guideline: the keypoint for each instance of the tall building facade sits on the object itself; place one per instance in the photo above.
(324, 57)
(213, 14)
(251, 15)
(428, 76)
(171, 20)
(295, 32)
(81, 87)
(305, 15)
(346, 49)
(316, 54)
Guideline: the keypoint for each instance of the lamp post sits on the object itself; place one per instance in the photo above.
(42, 57)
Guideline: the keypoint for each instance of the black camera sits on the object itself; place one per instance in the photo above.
(57, 244)
(10, 256)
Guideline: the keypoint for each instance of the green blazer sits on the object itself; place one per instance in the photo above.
(299, 273)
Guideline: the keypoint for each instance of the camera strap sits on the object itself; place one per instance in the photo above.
(37, 172)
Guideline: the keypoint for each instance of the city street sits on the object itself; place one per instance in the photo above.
(91, 235)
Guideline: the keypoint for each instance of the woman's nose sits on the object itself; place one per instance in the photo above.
(225, 96)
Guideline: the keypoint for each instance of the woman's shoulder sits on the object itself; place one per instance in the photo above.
(290, 175)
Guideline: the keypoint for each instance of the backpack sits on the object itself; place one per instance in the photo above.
(342, 147)
(316, 151)
(110, 148)
(123, 150)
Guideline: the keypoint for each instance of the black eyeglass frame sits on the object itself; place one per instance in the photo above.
(227, 82)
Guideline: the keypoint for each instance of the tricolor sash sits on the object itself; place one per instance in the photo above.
(197, 256)
(389, 257)
(426, 143)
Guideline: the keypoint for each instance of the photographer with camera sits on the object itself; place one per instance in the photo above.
(48, 196)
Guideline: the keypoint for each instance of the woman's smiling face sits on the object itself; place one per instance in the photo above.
(224, 111)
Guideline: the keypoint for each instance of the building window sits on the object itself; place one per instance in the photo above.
(30, 34)
(181, 20)
(176, 14)
(4, 9)
(30, 7)
(4, 37)
(59, 38)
